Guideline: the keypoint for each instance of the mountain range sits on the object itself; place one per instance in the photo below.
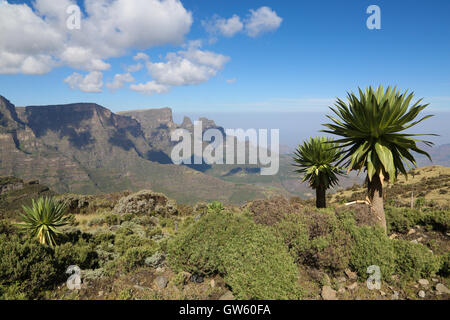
(86, 148)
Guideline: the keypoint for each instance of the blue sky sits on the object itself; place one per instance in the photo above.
(321, 50)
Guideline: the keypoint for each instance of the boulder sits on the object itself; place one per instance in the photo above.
(227, 296)
(146, 202)
(328, 293)
(423, 282)
(440, 288)
(155, 260)
(161, 282)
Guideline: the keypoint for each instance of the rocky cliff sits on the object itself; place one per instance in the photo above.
(86, 148)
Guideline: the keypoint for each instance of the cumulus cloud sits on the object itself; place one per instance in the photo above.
(34, 38)
(92, 82)
(227, 27)
(150, 88)
(186, 67)
(119, 81)
(256, 23)
(134, 68)
(262, 20)
(189, 67)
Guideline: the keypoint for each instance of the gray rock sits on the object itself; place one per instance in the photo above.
(421, 294)
(440, 288)
(423, 282)
(396, 295)
(227, 296)
(196, 278)
(161, 282)
(328, 293)
(155, 260)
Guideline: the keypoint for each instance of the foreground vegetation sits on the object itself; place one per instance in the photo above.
(144, 246)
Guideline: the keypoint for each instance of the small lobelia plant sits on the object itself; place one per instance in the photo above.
(43, 219)
(316, 159)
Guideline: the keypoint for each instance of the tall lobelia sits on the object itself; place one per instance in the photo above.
(372, 130)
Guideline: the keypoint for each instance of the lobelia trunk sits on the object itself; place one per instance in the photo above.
(375, 190)
(321, 200)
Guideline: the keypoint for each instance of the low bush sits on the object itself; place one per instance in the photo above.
(253, 261)
(81, 254)
(403, 219)
(372, 247)
(316, 238)
(413, 260)
(135, 257)
(26, 268)
(123, 242)
(444, 268)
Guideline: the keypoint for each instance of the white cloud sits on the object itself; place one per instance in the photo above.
(134, 68)
(141, 56)
(231, 81)
(190, 67)
(186, 67)
(262, 20)
(92, 82)
(119, 81)
(35, 41)
(150, 88)
(257, 22)
(227, 27)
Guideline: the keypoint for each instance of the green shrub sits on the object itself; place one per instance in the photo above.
(403, 219)
(316, 238)
(26, 268)
(438, 219)
(414, 260)
(81, 254)
(125, 242)
(6, 228)
(294, 232)
(372, 247)
(258, 266)
(112, 219)
(135, 257)
(253, 261)
(444, 269)
(216, 207)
